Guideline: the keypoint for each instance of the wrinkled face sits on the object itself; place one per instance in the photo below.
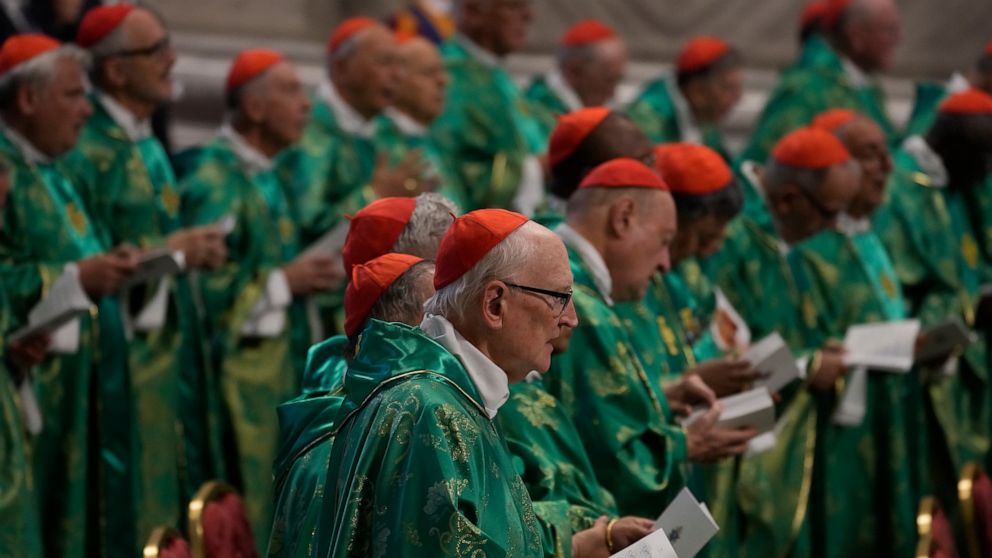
(533, 321)
(287, 106)
(423, 81)
(698, 238)
(874, 36)
(146, 65)
(644, 250)
(805, 214)
(368, 76)
(58, 110)
(866, 142)
(714, 97)
(596, 81)
(497, 25)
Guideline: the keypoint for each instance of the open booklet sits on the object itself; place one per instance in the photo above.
(64, 302)
(882, 346)
(155, 265)
(729, 330)
(776, 363)
(754, 408)
(687, 524)
(655, 545)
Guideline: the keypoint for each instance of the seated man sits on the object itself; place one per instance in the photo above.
(619, 225)
(389, 288)
(689, 106)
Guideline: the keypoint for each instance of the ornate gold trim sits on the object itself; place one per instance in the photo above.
(807, 484)
(967, 498)
(159, 537)
(924, 526)
(209, 492)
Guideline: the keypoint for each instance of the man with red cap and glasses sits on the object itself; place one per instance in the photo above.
(337, 169)
(762, 268)
(689, 106)
(416, 437)
(935, 226)
(255, 302)
(837, 70)
(619, 224)
(486, 130)
(389, 288)
(82, 455)
(590, 63)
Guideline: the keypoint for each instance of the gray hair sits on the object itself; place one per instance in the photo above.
(582, 54)
(585, 200)
(257, 85)
(452, 300)
(402, 301)
(777, 175)
(37, 72)
(345, 50)
(429, 221)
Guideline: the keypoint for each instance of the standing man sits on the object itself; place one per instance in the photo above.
(861, 36)
(689, 106)
(487, 132)
(590, 64)
(83, 458)
(255, 302)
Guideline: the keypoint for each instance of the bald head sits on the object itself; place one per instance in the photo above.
(616, 136)
(364, 70)
(272, 109)
(594, 70)
(423, 80)
(868, 33)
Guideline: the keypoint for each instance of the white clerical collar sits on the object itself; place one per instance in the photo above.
(478, 52)
(346, 117)
(856, 77)
(557, 83)
(406, 124)
(251, 158)
(852, 226)
(957, 83)
(591, 258)
(683, 114)
(928, 160)
(490, 380)
(31, 154)
(136, 130)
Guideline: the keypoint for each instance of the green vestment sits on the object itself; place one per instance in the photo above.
(662, 112)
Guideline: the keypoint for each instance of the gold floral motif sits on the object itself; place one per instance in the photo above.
(170, 200)
(535, 409)
(888, 286)
(76, 217)
(969, 249)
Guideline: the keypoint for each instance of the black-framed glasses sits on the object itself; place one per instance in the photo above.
(561, 299)
(156, 49)
(823, 211)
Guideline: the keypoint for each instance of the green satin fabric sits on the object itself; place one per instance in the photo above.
(545, 106)
(655, 112)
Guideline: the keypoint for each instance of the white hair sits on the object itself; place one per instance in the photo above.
(37, 72)
(345, 50)
(430, 219)
(402, 301)
(505, 259)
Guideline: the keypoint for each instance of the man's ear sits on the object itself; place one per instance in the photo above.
(27, 99)
(113, 72)
(621, 217)
(494, 304)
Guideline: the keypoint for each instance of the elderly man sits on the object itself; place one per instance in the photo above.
(619, 224)
(390, 288)
(809, 180)
(124, 177)
(337, 170)
(929, 94)
(404, 128)
(861, 36)
(582, 141)
(590, 64)
(486, 130)
(928, 225)
(256, 302)
(438, 389)
(689, 106)
(83, 388)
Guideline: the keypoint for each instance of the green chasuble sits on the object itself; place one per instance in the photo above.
(486, 132)
(662, 112)
(778, 501)
(820, 81)
(129, 188)
(20, 526)
(306, 426)
(556, 467)
(546, 96)
(84, 459)
(875, 514)
(617, 405)
(926, 226)
(397, 135)
(419, 468)
(259, 367)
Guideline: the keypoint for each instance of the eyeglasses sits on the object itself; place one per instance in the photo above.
(561, 299)
(157, 49)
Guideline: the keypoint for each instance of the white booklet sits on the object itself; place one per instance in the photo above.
(850, 410)
(155, 265)
(64, 302)
(754, 408)
(776, 363)
(655, 545)
(883, 346)
(687, 524)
